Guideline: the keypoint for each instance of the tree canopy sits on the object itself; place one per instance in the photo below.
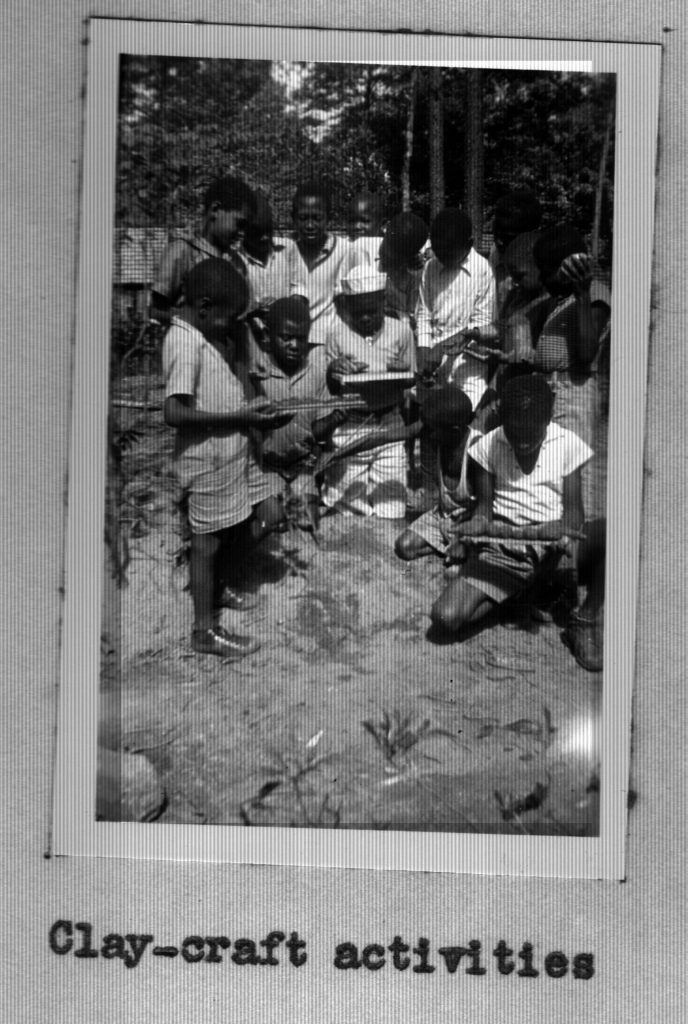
(185, 121)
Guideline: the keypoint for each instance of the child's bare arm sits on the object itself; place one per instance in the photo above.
(573, 514)
(179, 411)
(481, 519)
(592, 317)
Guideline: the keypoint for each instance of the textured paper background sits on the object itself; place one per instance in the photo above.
(632, 927)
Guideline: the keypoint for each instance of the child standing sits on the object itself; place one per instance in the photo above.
(269, 261)
(400, 258)
(205, 403)
(227, 207)
(296, 369)
(364, 339)
(321, 260)
(527, 476)
(574, 323)
(456, 303)
(516, 213)
(366, 224)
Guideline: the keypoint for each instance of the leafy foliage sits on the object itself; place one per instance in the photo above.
(185, 121)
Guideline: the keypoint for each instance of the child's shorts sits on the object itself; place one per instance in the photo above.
(214, 503)
(500, 572)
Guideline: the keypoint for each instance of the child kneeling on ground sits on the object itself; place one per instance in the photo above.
(527, 479)
(296, 370)
(445, 416)
(205, 402)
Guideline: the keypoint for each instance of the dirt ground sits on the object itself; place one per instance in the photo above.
(352, 714)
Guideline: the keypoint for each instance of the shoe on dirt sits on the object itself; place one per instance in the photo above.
(583, 637)
(218, 641)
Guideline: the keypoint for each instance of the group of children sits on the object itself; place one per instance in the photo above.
(399, 348)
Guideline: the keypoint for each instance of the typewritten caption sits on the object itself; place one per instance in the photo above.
(79, 939)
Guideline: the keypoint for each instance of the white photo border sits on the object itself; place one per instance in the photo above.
(75, 831)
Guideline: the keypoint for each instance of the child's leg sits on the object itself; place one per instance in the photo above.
(410, 545)
(204, 551)
(459, 604)
(268, 517)
(345, 485)
(387, 481)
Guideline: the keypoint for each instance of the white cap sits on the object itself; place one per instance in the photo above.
(362, 280)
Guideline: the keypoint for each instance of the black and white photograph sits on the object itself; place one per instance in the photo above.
(357, 370)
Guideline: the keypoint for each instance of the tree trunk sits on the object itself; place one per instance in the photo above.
(599, 191)
(408, 139)
(436, 141)
(475, 160)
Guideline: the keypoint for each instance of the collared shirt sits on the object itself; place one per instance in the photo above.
(310, 381)
(271, 280)
(192, 366)
(320, 283)
(450, 301)
(393, 342)
(454, 300)
(536, 497)
(178, 258)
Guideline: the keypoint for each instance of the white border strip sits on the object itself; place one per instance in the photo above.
(75, 830)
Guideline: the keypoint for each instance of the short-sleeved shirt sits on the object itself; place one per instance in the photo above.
(394, 341)
(366, 248)
(192, 366)
(180, 256)
(271, 280)
(320, 284)
(536, 497)
(308, 382)
(558, 335)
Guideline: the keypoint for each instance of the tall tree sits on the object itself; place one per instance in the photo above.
(475, 163)
(408, 141)
(436, 140)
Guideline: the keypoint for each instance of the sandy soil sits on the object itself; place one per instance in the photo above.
(351, 714)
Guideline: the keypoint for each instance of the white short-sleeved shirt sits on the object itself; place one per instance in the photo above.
(536, 497)
(192, 366)
(393, 342)
(320, 283)
(366, 248)
(271, 280)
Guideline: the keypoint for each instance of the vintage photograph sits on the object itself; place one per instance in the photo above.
(359, 394)
(346, 341)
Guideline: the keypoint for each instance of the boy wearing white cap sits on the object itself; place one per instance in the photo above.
(364, 340)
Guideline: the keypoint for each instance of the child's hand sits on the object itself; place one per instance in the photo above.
(326, 425)
(456, 552)
(398, 365)
(261, 414)
(576, 270)
(455, 345)
(343, 366)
